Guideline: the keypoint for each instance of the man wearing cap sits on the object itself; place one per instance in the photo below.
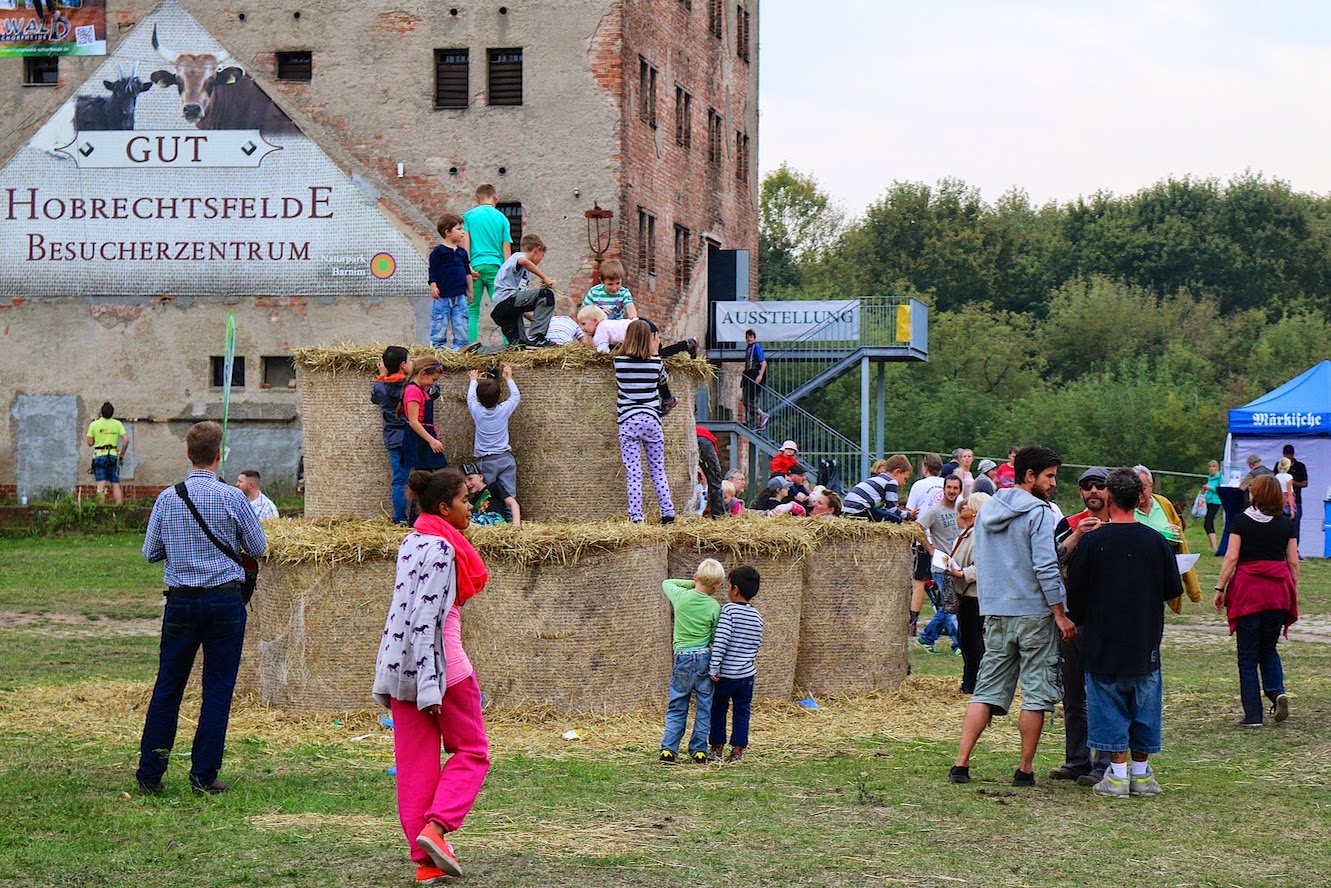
(986, 482)
(798, 476)
(775, 498)
(786, 457)
(1078, 763)
(490, 503)
(1299, 472)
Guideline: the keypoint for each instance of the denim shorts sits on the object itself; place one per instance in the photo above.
(1123, 712)
(1020, 650)
(106, 468)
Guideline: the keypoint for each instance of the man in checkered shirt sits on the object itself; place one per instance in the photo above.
(203, 609)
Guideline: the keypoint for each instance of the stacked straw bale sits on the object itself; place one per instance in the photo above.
(573, 616)
(563, 434)
(855, 608)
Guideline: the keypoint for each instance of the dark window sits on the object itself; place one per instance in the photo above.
(647, 92)
(683, 257)
(716, 17)
(237, 371)
(513, 211)
(295, 65)
(683, 118)
(451, 87)
(505, 77)
(279, 372)
(742, 32)
(687, 4)
(41, 70)
(741, 158)
(713, 136)
(646, 243)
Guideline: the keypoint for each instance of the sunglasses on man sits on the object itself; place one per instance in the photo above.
(1092, 485)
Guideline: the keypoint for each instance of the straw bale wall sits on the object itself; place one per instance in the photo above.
(563, 434)
(855, 609)
(778, 600)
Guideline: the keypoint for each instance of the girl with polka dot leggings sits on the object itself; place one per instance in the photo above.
(638, 376)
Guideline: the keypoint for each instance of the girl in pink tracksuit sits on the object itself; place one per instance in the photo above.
(423, 675)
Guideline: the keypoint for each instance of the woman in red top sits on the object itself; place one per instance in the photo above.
(1258, 587)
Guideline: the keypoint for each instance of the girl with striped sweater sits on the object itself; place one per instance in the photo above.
(638, 374)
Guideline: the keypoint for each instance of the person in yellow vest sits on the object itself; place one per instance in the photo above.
(107, 438)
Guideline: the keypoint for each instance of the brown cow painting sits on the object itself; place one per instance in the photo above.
(215, 95)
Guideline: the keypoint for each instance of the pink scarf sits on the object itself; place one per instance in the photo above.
(472, 572)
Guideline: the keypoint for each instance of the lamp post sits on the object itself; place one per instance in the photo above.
(598, 236)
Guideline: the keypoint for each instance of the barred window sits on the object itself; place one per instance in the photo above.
(646, 243)
(297, 66)
(647, 75)
(683, 118)
(452, 84)
(513, 212)
(716, 17)
(505, 77)
(742, 32)
(683, 257)
(41, 70)
(741, 158)
(714, 146)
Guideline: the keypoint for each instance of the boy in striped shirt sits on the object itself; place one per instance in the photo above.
(739, 636)
(611, 296)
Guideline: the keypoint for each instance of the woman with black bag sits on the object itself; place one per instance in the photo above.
(961, 573)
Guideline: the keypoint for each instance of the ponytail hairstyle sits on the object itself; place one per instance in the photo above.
(431, 490)
(427, 365)
(637, 340)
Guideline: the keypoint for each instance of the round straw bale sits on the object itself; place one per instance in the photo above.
(778, 600)
(563, 436)
(588, 635)
(856, 605)
(314, 633)
(346, 466)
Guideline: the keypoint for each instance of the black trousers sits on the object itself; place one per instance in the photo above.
(1076, 754)
(710, 464)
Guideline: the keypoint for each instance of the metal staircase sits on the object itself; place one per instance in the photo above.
(890, 329)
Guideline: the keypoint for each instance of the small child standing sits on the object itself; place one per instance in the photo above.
(513, 296)
(423, 675)
(610, 295)
(387, 396)
(696, 613)
(450, 272)
(739, 637)
(639, 374)
(490, 444)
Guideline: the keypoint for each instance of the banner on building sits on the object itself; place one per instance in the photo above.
(170, 171)
(788, 321)
(52, 27)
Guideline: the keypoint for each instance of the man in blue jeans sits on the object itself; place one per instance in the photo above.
(203, 609)
(940, 524)
(1119, 578)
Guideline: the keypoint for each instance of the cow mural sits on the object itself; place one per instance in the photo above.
(215, 95)
(115, 110)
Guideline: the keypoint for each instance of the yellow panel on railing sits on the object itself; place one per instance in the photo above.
(903, 323)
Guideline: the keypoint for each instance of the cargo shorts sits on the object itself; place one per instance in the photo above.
(1020, 650)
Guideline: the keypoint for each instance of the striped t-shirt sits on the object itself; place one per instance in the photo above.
(636, 380)
(739, 635)
(871, 493)
(614, 305)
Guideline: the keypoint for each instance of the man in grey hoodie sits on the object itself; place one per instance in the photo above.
(1021, 595)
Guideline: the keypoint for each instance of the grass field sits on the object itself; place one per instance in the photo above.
(853, 794)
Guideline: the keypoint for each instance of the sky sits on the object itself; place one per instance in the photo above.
(1056, 99)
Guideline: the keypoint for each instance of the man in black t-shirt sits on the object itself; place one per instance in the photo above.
(1299, 472)
(1119, 578)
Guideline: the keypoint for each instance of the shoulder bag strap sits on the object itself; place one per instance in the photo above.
(183, 493)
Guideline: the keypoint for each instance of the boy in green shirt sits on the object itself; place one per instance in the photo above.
(489, 242)
(696, 614)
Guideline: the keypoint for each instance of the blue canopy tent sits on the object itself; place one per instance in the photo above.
(1297, 413)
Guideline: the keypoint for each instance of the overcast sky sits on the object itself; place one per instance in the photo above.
(1056, 98)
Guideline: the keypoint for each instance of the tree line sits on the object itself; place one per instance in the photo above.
(1112, 328)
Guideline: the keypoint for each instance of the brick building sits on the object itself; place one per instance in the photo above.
(647, 107)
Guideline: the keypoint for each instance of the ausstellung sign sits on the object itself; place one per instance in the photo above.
(170, 171)
(786, 321)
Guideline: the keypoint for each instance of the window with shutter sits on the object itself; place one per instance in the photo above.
(683, 118)
(683, 257)
(505, 86)
(452, 87)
